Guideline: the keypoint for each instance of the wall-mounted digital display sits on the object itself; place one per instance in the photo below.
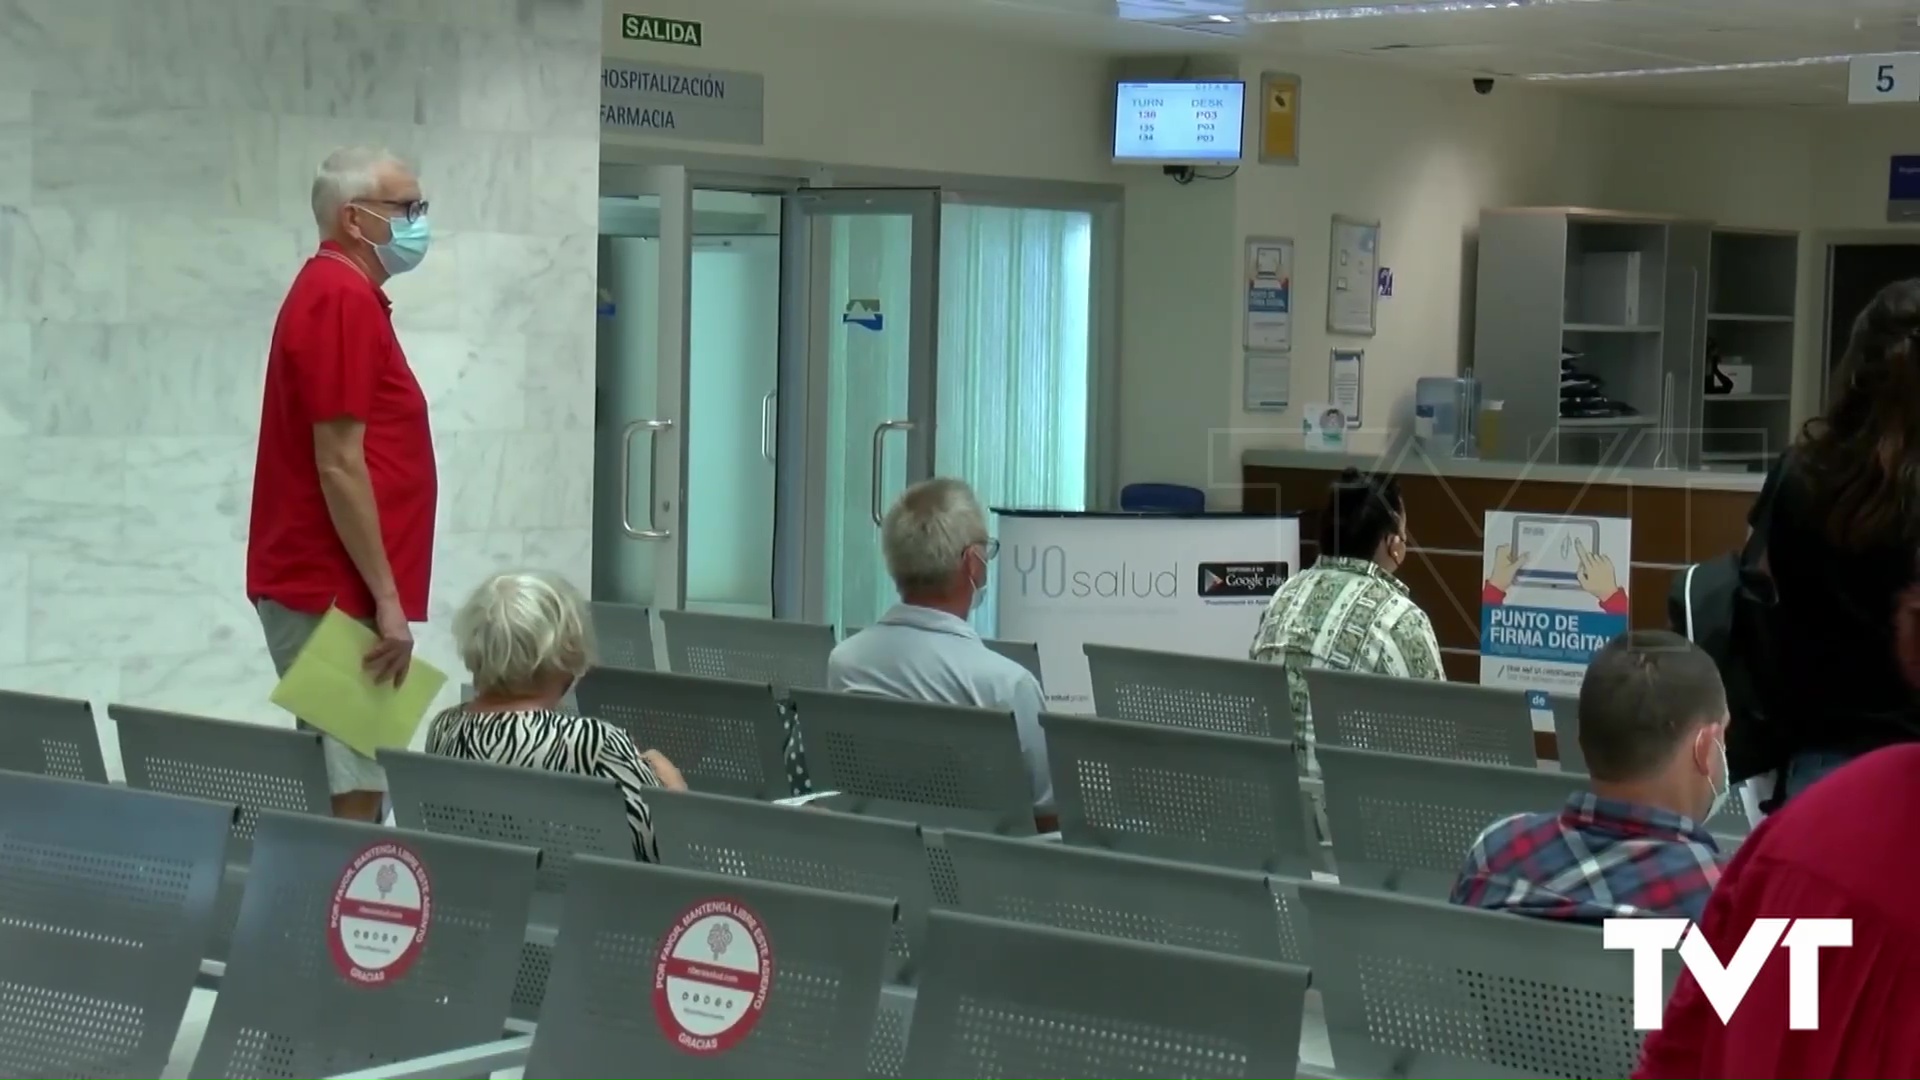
(1179, 123)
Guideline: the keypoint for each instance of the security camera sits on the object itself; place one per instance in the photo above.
(1483, 86)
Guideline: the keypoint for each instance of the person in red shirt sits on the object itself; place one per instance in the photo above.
(1837, 850)
(343, 484)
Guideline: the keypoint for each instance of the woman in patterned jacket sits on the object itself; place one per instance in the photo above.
(526, 638)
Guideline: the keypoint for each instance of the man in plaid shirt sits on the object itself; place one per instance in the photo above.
(1653, 719)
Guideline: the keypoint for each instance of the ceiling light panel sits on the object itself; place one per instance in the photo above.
(1402, 10)
(1177, 9)
(1705, 69)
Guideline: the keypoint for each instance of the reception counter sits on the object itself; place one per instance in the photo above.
(1678, 518)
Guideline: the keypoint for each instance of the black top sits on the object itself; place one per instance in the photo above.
(1839, 685)
(1031, 512)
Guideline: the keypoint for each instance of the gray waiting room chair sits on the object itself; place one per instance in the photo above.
(106, 906)
(1418, 988)
(1566, 731)
(1129, 896)
(802, 846)
(558, 814)
(1006, 999)
(624, 633)
(287, 1006)
(943, 766)
(50, 736)
(786, 655)
(1234, 697)
(1024, 653)
(1405, 824)
(1731, 825)
(1422, 718)
(254, 766)
(1180, 794)
(825, 949)
(724, 735)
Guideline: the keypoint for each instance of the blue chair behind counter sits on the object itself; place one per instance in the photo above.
(1163, 499)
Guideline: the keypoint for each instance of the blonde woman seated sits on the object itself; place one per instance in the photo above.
(526, 638)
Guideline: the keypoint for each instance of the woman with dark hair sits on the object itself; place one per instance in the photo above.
(1842, 519)
(1348, 612)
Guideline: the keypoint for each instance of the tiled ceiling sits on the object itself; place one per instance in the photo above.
(1513, 38)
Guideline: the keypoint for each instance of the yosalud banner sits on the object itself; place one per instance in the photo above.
(1187, 584)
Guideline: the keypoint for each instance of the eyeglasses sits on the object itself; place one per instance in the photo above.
(411, 209)
(988, 549)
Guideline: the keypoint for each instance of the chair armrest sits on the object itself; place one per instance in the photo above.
(482, 1060)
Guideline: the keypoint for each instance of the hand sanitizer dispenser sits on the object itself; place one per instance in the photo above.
(1444, 412)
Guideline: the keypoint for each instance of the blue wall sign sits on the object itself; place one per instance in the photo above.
(1903, 188)
(863, 313)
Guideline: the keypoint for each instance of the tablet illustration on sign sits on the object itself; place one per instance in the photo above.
(1553, 592)
(1557, 553)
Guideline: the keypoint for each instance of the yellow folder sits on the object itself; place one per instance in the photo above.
(328, 688)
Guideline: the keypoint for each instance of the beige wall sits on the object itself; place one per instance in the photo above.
(1422, 155)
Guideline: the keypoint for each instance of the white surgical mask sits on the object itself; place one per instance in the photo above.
(407, 242)
(979, 587)
(1722, 789)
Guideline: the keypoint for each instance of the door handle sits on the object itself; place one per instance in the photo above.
(653, 428)
(879, 441)
(767, 429)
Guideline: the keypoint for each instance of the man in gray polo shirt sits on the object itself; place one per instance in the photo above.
(937, 549)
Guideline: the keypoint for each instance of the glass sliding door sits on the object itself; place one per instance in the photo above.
(732, 383)
(684, 473)
(863, 304)
(641, 350)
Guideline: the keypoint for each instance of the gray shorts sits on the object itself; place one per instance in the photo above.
(287, 631)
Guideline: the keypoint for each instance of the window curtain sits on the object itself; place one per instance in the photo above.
(1014, 355)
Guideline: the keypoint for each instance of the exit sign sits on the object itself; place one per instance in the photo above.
(660, 31)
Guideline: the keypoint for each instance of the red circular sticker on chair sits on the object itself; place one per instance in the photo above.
(377, 922)
(711, 976)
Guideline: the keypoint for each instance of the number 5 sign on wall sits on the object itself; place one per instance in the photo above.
(1884, 78)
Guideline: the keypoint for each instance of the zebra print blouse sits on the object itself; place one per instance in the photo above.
(556, 741)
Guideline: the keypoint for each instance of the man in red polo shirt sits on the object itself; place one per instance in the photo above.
(344, 485)
(1838, 850)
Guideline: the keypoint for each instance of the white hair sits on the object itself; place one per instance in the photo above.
(926, 533)
(348, 174)
(518, 629)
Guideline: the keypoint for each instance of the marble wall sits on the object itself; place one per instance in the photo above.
(155, 160)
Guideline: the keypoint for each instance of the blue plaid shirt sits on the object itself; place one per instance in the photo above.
(1596, 859)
